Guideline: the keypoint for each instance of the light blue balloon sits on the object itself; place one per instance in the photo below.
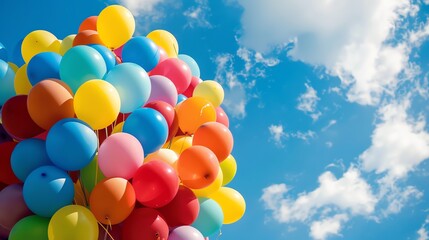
(80, 64)
(48, 189)
(210, 217)
(71, 144)
(7, 76)
(149, 127)
(28, 155)
(108, 56)
(181, 98)
(193, 65)
(132, 83)
(3, 52)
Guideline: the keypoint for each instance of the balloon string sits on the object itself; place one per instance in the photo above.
(106, 230)
(96, 161)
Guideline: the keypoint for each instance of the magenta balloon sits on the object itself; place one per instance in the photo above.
(185, 233)
(162, 90)
(12, 208)
(176, 70)
(120, 155)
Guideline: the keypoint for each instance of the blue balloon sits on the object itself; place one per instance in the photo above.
(181, 98)
(48, 189)
(7, 76)
(43, 66)
(142, 51)
(210, 217)
(149, 127)
(132, 83)
(28, 155)
(80, 64)
(108, 56)
(193, 65)
(3, 52)
(71, 144)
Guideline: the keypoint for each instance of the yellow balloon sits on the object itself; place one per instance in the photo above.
(179, 144)
(36, 42)
(210, 90)
(229, 169)
(55, 46)
(97, 103)
(21, 83)
(210, 189)
(13, 66)
(66, 44)
(231, 202)
(73, 222)
(115, 25)
(166, 155)
(166, 40)
(118, 128)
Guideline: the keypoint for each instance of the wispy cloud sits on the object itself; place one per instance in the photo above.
(277, 134)
(197, 16)
(307, 102)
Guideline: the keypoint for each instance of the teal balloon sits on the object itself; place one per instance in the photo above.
(7, 76)
(132, 83)
(193, 65)
(28, 155)
(210, 217)
(32, 227)
(47, 189)
(81, 64)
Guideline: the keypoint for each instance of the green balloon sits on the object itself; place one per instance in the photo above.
(90, 175)
(32, 227)
(210, 217)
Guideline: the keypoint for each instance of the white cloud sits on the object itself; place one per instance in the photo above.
(305, 136)
(277, 134)
(349, 194)
(197, 15)
(352, 39)
(307, 102)
(399, 142)
(330, 226)
(140, 8)
(330, 124)
(422, 232)
(329, 144)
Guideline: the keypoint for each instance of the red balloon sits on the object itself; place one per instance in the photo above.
(221, 117)
(176, 70)
(145, 224)
(6, 173)
(165, 109)
(89, 23)
(12, 208)
(4, 137)
(87, 37)
(194, 82)
(182, 210)
(156, 183)
(16, 119)
(2, 186)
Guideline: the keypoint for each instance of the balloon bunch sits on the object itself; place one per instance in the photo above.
(106, 135)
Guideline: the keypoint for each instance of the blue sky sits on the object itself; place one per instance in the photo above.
(328, 103)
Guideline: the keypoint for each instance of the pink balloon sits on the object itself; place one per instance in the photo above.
(118, 51)
(12, 208)
(162, 89)
(120, 155)
(221, 116)
(185, 233)
(176, 70)
(194, 82)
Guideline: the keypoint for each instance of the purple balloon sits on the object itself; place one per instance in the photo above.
(163, 89)
(4, 136)
(185, 233)
(12, 208)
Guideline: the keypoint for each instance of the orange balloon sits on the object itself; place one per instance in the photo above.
(216, 137)
(89, 23)
(112, 200)
(193, 112)
(87, 37)
(50, 101)
(198, 167)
